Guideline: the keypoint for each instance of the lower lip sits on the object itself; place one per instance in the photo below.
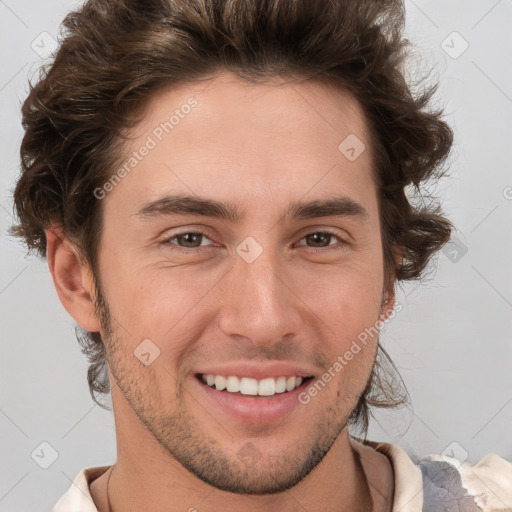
(254, 408)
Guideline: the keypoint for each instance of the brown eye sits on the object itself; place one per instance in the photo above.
(188, 240)
(321, 239)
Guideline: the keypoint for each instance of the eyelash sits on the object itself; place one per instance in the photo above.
(167, 241)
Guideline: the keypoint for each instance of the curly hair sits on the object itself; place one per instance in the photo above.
(116, 55)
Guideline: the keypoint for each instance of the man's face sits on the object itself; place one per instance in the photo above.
(270, 294)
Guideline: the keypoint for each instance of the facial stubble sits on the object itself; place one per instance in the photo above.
(244, 470)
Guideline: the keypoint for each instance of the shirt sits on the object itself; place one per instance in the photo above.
(436, 483)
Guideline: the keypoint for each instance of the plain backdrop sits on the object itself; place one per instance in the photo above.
(451, 342)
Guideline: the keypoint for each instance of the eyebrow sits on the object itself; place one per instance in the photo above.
(192, 205)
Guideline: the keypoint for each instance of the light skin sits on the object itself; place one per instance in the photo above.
(303, 300)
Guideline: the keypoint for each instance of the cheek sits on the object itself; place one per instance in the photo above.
(351, 334)
(349, 294)
(348, 307)
(160, 304)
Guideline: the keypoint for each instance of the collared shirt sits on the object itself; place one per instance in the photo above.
(435, 483)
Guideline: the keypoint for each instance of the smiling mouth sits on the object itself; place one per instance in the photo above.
(253, 388)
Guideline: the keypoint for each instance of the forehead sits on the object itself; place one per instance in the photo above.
(279, 105)
(231, 138)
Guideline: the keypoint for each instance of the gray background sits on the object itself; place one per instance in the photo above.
(451, 342)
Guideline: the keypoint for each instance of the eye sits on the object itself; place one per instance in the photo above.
(194, 240)
(190, 240)
(322, 238)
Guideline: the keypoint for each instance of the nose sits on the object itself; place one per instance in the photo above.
(259, 302)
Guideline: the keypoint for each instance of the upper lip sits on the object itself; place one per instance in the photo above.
(257, 371)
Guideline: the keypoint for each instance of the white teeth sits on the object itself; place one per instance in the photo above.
(233, 384)
(267, 387)
(249, 386)
(220, 382)
(281, 385)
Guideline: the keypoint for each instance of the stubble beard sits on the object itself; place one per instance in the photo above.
(246, 470)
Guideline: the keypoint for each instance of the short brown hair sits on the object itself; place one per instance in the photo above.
(115, 55)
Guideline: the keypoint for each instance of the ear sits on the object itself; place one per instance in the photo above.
(388, 303)
(72, 279)
(388, 293)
